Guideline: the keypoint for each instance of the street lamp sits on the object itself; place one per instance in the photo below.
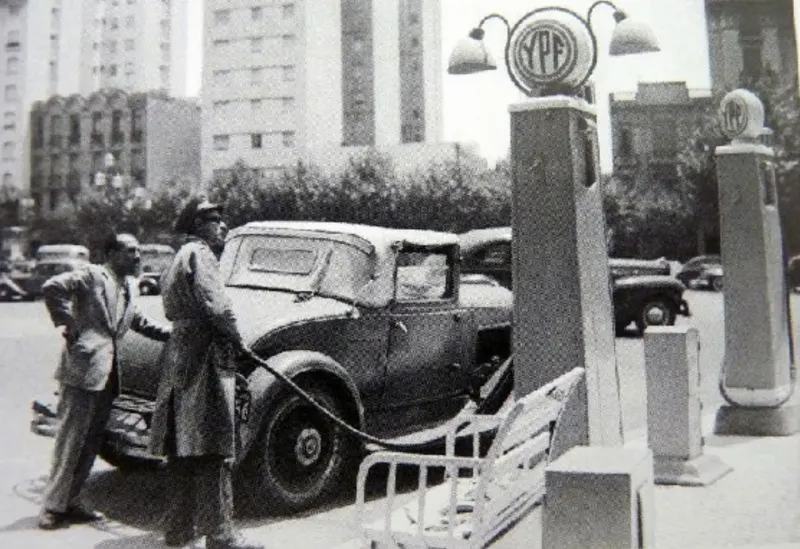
(552, 55)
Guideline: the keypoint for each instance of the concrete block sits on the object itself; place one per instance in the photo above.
(758, 421)
(601, 498)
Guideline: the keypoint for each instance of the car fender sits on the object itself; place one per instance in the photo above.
(652, 282)
(264, 387)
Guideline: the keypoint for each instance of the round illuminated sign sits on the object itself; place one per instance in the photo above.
(741, 115)
(555, 50)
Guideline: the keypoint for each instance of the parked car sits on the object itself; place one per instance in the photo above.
(793, 274)
(53, 259)
(155, 258)
(643, 291)
(703, 271)
(371, 321)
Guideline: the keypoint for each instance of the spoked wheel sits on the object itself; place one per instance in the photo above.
(302, 456)
(655, 312)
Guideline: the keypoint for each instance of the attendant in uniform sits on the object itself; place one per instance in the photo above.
(93, 305)
(194, 418)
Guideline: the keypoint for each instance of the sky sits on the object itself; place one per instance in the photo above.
(475, 107)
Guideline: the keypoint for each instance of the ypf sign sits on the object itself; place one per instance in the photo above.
(741, 115)
(549, 52)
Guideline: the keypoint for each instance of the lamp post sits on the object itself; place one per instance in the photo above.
(563, 314)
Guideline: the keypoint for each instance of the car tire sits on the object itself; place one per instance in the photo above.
(144, 289)
(656, 311)
(716, 284)
(301, 456)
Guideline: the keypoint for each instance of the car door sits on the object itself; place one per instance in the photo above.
(426, 348)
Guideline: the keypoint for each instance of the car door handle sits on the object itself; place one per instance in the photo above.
(399, 324)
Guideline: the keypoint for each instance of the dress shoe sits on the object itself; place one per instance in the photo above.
(52, 520)
(236, 541)
(79, 513)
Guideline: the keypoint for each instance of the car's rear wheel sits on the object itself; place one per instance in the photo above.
(656, 311)
(717, 283)
(301, 456)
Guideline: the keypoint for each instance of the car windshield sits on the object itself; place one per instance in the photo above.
(296, 264)
(52, 269)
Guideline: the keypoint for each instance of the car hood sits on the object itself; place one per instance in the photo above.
(649, 281)
(259, 312)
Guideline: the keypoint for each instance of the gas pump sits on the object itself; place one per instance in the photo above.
(758, 376)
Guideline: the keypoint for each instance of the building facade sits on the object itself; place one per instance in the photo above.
(651, 127)
(747, 39)
(282, 80)
(147, 139)
(64, 47)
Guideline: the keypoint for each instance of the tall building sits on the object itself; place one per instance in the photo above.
(747, 38)
(64, 47)
(651, 127)
(285, 80)
(132, 136)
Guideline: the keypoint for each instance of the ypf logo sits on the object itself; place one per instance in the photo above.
(734, 117)
(545, 52)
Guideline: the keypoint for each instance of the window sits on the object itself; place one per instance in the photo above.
(114, 23)
(256, 45)
(112, 46)
(130, 22)
(11, 92)
(256, 76)
(96, 46)
(288, 139)
(7, 178)
(422, 276)
(97, 119)
(288, 11)
(53, 71)
(129, 45)
(255, 140)
(219, 44)
(8, 150)
(222, 76)
(665, 137)
(288, 73)
(256, 13)
(74, 128)
(498, 255)
(625, 147)
(12, 43)
(221, 142)
(165, 29)
(112, 70)
(286, 104)
(9, 120)
(13, 10)
(129, 69)
(12, 65)
(255, 104)
(222, 17)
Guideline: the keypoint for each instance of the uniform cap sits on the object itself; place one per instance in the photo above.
(196, 206)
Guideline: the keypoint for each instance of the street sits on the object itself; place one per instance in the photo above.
(29, 347)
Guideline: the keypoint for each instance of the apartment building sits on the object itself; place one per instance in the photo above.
(285, 80)
(749, 37)
(63, 47)
(136, 141)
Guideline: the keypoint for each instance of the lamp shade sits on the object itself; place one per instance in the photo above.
(631, 36)
(469, 56)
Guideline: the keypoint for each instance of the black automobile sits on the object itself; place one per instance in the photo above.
(703, 271)
(643, 290)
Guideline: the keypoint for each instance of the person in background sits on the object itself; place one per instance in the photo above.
(93, 306)
(194, 423)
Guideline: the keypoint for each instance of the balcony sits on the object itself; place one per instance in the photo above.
(97, 139)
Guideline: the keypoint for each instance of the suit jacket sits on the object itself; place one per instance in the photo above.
(81, 300)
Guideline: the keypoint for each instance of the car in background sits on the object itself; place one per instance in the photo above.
(703, 271)
(372, 321)
(155, 258)
(51, 260)
(793, 274)
(13, 274)
(643, 290)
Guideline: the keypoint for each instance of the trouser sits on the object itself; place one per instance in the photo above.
(83, 416)
(201, 494)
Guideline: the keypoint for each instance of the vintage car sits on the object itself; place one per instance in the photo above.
(703, 271)
(155, 258)
(643, 290)
(372, 322)
(53, 259)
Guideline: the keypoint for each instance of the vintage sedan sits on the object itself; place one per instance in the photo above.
(372, 322)
(703, 271)
(644, 293)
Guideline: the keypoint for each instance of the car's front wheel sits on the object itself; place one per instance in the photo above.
(717, 284)
(301, 456)
(656, 311)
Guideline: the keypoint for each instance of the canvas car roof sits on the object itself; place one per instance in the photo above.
(367, 237)
(479, 236)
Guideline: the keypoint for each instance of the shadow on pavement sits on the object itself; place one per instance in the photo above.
(27, 523)
(147, 541)
(721, 441)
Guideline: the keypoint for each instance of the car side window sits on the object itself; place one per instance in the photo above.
(498, 255)
(422, 276)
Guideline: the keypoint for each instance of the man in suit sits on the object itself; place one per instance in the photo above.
(194, 422)
(93, 306)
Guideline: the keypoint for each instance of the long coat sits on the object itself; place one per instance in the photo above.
(194, 412)
(82, 300)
